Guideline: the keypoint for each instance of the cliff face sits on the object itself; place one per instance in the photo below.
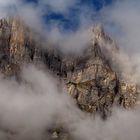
(89, 79)
(16, 44)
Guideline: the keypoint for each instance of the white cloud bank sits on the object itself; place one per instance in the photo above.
(28, 110)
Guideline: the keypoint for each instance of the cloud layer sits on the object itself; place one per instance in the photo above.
(29, 109)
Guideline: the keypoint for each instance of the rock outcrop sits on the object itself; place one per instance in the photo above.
(89, 79)
(94, 84)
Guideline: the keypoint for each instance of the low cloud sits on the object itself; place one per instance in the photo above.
(39, 103)
(29, 109)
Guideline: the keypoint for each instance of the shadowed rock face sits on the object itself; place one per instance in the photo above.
(89, 78)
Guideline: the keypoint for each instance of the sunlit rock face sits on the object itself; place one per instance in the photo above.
(89, 78)
(16, 45)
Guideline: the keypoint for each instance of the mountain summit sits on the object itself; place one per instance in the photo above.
(90, 79)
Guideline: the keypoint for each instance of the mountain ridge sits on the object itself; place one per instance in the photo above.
(90, 79)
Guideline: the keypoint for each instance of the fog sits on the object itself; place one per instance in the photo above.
(29, 109)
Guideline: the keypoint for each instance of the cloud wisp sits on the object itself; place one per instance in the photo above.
(33, 16)
(121, 19)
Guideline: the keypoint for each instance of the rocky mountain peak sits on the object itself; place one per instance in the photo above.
(89, 79)
(104, 40)
(98, 32)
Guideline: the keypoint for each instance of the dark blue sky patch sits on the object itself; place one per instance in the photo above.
(63, 22)
(31, 1)
(70, 21)
(66, 21)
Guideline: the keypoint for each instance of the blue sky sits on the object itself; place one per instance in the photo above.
(70, 20)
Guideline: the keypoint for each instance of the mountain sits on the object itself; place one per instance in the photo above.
(90, 78)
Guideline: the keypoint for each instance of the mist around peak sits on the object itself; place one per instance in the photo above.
(32, 108)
